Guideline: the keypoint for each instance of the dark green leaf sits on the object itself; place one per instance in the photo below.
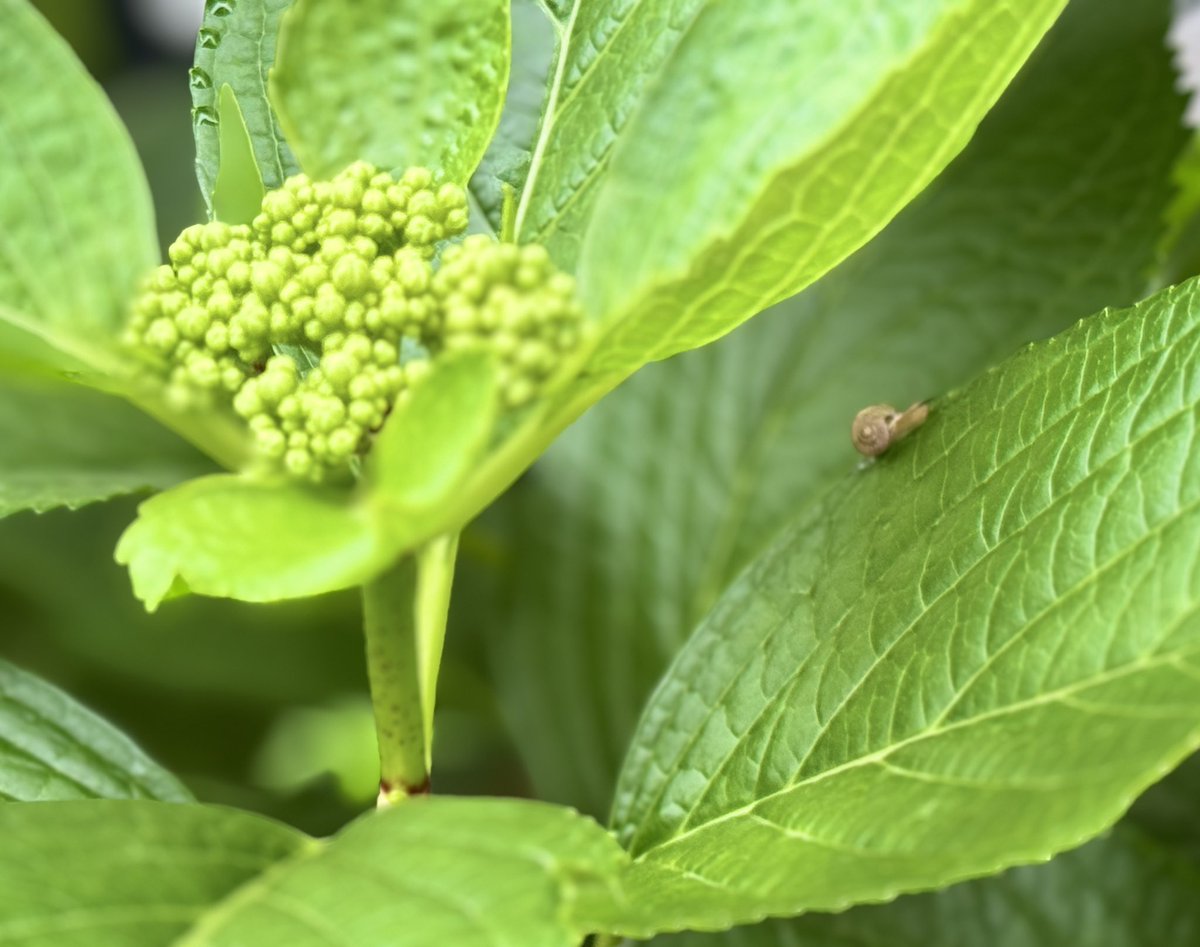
(52, 748)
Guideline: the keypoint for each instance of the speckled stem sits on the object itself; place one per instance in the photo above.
(404, 618)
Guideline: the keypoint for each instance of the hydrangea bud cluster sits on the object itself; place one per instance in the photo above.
(514, 300)
(315, 318)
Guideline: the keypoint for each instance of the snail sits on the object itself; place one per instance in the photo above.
(876, 428)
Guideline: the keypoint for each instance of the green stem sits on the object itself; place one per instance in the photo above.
(508, 213)
(404, 618)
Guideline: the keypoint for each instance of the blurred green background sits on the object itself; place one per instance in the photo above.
(263, 707)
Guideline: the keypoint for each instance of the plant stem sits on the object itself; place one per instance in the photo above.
(404, 618)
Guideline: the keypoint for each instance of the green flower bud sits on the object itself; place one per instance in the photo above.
(351, 275)
(267, 280)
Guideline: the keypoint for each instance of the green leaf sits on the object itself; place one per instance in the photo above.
(65, 445)
(491, 873)
(236, 47)
(796, 130)
(76, 223)
(396, 84)
(237, 196)
(991, 633)
(466, 872)
(653, 502)
(52, 748)
(82, 874)
(506, 161)
(434, 436)
(233, 537)
(1120, 891)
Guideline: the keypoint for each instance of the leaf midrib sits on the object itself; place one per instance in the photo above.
(549, 115)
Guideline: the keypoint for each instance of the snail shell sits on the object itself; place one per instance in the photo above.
(876, 428)
(872, 429)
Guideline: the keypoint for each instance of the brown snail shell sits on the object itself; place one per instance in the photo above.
(876, 428)
(872, 429)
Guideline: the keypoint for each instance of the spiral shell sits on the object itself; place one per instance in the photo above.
(872, 431)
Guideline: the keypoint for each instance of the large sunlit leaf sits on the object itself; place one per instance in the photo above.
(232, 537)
(650, 505)
(396, 84)
(76, 223)
(1120, 891)
(699, 161)
(472, 873)
(65, 445)
(52, 748)
(973, 654)
(236, 47)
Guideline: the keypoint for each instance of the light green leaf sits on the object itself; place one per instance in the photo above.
(650, 505)
(467, 872)
(126, 874)
(992, 635)
(472, 873)
(65, 445)
(237, 196)
(52, 748)
(233, 537)
(236, 47)
(434, 435)
(796, 130)
(76, 223)
(396, 84)
(1120, 891)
